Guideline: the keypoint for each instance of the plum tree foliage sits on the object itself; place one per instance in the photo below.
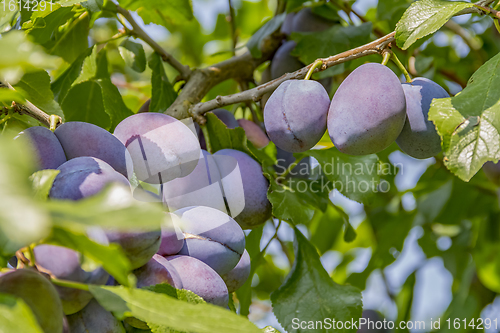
(185, 181)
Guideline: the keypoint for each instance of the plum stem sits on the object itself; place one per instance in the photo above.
(204, 129)
(386, 57)
(401, 67)
(54, 120)
(69, 284)
(318, 63)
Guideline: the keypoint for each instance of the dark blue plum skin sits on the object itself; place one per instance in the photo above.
(64, 263)
(152, 140)
(94, 318)
(419, 137)
(306, 21)
(199, 278)
(257, 208)
(38, 293)
(48, 150)
(157, 270)
(286, 27)
(237, 277)
(212, 237)
(295, 115)
(285, 159)
(492, 171)
(83, 177)
(368, 111)
(172, 239)
(83, 139)
(283, 62)
(139, 246)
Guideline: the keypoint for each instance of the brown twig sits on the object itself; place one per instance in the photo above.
(256, 93)
(137, 31)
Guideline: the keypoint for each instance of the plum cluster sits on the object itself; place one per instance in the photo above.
(200, 246)
(370, 110)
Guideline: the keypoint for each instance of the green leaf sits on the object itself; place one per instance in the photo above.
(19, 56)
(115, 207)
(84, 102)
(181, 294)
(134, 55)
(222, 137)
(270, 329)
(42, 27)
(335, 40)
(16, 316)
(42, 182)
(159, 11)
(63, 83)
(292, 5)
(267, 29)
(289, 205)
(356, 177)
(111, 258)
(162, 91)
(72, 40)
(163, 310)
(469, 123)
(7, 96)
(35, 87)
(310, 294)
(391, 10)
(424, 17)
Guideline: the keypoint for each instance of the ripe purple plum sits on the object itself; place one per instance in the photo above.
(492, 171)
(257, 208)
(202, 280)
(153, 142)
(254, 133)
(368, 111)
(47, 148)
(82, 177)
(286, 27)
(226, 117)
(283, 62)
(157, 270)
(237, 277)
(83, 139)
(139, 245)
(145, 107)
(419, 137)
(306, 21)
(212, 237)
(295, 115)
(172, 239)
(285, 159)
(38, 293)
(94, 318)
(64, 264)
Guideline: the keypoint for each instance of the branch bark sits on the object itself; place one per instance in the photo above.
(202, 80)
(375, 47)
(137, 31)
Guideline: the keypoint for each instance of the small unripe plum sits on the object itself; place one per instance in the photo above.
(38, 293)
(368, 111)
(139, 246)
(254, 133)
(419, 137)
(47, 148)
(257, 208)
(157, 270)
(306, 21)
(237, 277)
(64, 264)
(153, 142)
(295, 115)
(202, 280)
(83, 139)
(94, 318)
(83, 177)
(212, 237)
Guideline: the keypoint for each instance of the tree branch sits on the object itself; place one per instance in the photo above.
(137, 31)
(202, 80)
(375, 47)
